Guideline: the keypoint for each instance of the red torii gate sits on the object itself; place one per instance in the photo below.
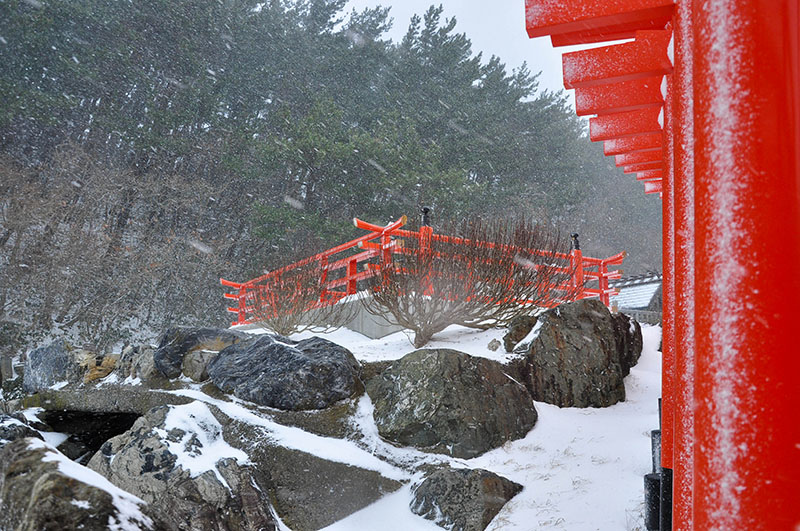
(720, 142)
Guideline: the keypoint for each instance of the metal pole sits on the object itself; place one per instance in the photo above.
(747, 212)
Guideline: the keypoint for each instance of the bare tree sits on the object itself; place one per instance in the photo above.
(481, 277)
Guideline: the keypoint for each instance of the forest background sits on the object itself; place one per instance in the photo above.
(149, 148)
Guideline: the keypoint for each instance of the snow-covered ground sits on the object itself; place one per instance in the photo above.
(582, 469)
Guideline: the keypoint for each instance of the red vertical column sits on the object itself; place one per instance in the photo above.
(668, 316)
(683, 164)
(747, 211)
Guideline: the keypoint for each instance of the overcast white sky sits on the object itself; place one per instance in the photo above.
(495, 27)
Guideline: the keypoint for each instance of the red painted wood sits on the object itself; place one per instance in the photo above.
(651, 155)
(619, 97)
(668, 293)
(683, 147)
(747, 251)
(611, 33)
(624, 124)
(649, 175)
(618, 146)
(550, 17)
(644, 57)
(643, 166)
(652, 187)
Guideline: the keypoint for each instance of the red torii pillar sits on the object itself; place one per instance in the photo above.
(732, 170)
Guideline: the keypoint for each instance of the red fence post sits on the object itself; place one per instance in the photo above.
(323, 295)
(241, 316)
(352, 271)
(576, 264)
(605, 298)
(425, 237)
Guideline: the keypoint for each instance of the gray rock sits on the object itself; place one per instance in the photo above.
(445, 401)
(575, 359)
(47, 366)
(36, 493)
(313, 374)
(518, 328)
(195, 364)
(176, 343)
(146, 461)
(462, 499)
(13, 428)
(628, 335)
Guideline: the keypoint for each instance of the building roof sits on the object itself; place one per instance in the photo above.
(636, 292)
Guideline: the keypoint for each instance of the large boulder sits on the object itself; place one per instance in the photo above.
(177, 344)
(55, 363)
(175, 458)
(445, 401)
(576, 357)
(462, 499)
(311, 374)
(42, 489)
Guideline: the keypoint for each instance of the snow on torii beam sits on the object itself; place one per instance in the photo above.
(586, 21)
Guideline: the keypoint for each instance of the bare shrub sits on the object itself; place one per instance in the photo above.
(294, 301)
(487, 273)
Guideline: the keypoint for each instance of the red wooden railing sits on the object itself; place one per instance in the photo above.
(341, 271)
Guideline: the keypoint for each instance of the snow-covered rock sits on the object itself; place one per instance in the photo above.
(576, 358)
(176, 459)
(42, 489)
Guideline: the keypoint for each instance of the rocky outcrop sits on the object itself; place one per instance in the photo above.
(577, 358)
(312, 374)
(445, 401)
(177, 460)
(201, 469)
(56, 363)
(462, 499)
(199, 345)
(42, 489)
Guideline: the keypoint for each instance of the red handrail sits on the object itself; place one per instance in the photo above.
(582, 268)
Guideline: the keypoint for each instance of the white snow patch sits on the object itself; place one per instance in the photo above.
(390, 513)
(201, 445)
(59, 385)
(129, 516)
(337, 450)
(54, 438)
(82, 504)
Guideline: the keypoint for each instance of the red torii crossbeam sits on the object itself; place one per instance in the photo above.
(725, 158)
